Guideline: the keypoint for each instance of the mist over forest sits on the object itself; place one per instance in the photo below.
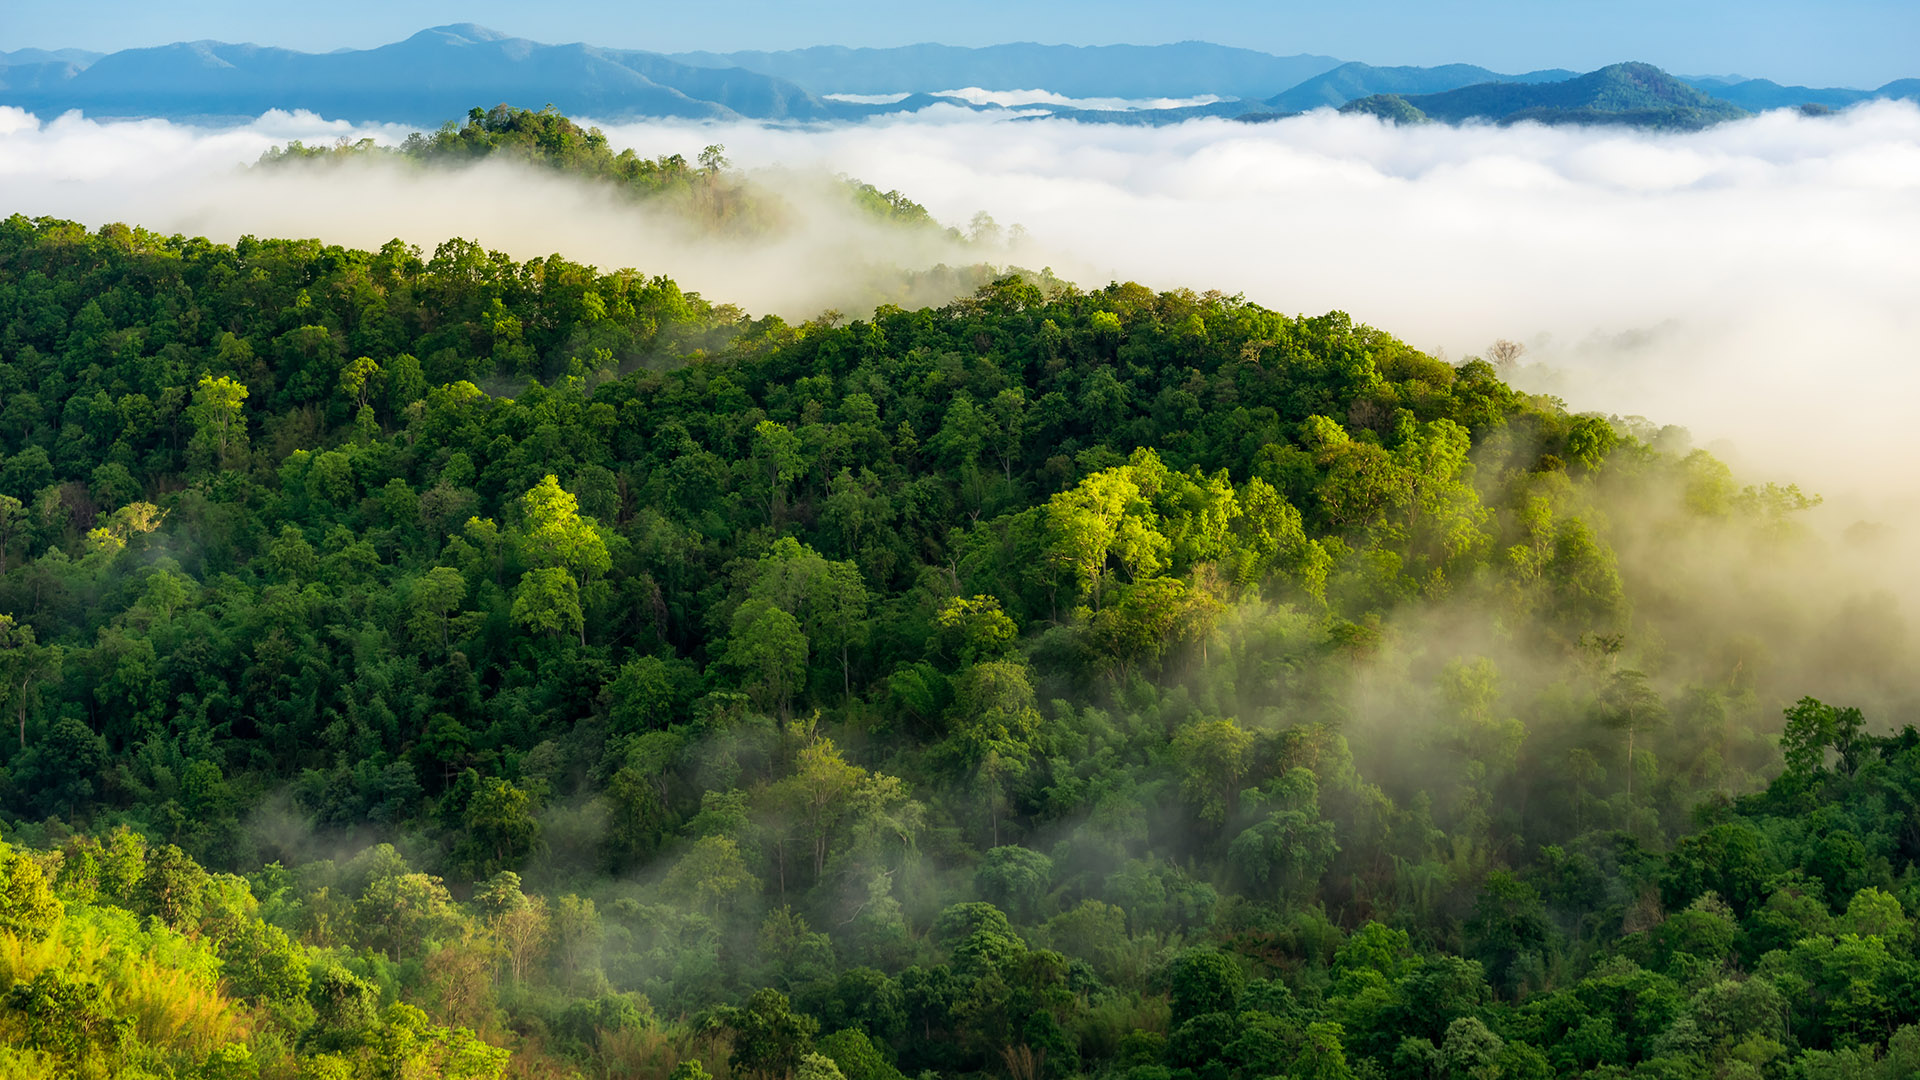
(958, 596)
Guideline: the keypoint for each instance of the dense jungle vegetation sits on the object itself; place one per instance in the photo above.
(445, 666)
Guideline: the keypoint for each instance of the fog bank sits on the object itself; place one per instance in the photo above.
(1751, 282)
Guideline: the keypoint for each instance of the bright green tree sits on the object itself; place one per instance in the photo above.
(219, 425)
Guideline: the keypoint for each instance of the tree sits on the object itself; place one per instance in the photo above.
(1272, 537)
(436, 595)
(1589, 440)
(72, 1019)
(1322, 1055)
(460, 972)
(963, 435)
(769, 1039)
(994, 727)
(711, 874)
(359, 379)
(399, 912)
(28, 907)
(1630, 705)
(553, 534)
(777, 454)
(972, 629)
(1009, 410)
(1360, 481)
(1472, 694)
(1471, 1050)
(1505, 356)
(856, 1055)
(769, 652)
(500, 829)
(24, 664)
(816, 795)
(1292, 846)
(1508, 931)
(1015, 879)
(568, 553)
(1814, 727)
(548, 601)
(406, 1043)
(1203, 981)
(171, 887)
(1213, 759)
(828, 599)
(649, 692)
(1105, 517)
(576, 940)
(993, 711)
(1585, 769)
(13, 516)
(1443, 512)
(262, 964)
(1149, 615)
(219, 425)
(523, 933)
(343, 1003)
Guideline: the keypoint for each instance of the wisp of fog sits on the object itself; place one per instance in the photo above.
(1752, 282)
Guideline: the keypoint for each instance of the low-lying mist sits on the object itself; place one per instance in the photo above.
(1751, 282)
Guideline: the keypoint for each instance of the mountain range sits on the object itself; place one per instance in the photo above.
(1356, 80)
(1756, 95)
(442, 72)
(425, 79)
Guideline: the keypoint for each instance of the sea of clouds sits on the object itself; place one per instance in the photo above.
(1755, 283)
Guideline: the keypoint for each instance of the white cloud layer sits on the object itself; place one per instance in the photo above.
(1014, 98)
(1754, 282)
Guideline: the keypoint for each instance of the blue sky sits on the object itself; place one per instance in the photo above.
(1832, 42)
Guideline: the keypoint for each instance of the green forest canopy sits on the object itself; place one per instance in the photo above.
(447, 666)
(707, 190)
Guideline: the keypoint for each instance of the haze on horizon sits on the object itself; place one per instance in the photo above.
(1860, 43)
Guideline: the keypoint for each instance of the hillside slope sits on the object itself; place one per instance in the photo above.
(409, 652)
(1638, 95)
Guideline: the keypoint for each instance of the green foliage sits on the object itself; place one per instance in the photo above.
(500, 830)
(769, 1039)
(707, 188)
(973, 629)
(1054, 683)
(28, 907)
(1203, 981)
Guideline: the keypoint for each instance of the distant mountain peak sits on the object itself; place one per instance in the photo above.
(472, 32)
(1633, 93)
(437, 73)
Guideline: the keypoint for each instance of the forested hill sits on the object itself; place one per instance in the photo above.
(446, 666)
(707, 192)
(1638, 95)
